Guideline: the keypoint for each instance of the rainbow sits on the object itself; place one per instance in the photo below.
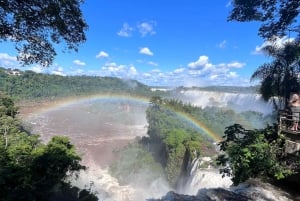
(57, 104)
(199, 126)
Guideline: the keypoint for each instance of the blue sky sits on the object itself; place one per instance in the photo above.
(160, 43)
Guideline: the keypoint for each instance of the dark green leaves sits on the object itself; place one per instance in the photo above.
(35, 26)
(253, 153)
(279, 17)
(30, 170)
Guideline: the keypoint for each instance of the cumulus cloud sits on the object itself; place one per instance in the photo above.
(279, 42)
(126, 30)
(79, 63)
(146, 28)
(146, 51)
(120, 71)
(213, 74)
(102, 54)
(202, 63)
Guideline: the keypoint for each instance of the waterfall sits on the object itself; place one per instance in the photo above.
(202, 177)
(236, 101)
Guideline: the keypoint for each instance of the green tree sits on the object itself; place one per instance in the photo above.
(278, 17)
(36, 25)
(254, 153)
(30, 170)
(279, 77)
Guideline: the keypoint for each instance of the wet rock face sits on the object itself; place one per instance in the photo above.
(205, 195)
(252, 190)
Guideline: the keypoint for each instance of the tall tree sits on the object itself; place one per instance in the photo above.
(34, 26)
(278, 17)
(279, 77)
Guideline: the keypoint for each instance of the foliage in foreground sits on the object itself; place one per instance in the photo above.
(36, 26)
(30, 170)
(278, 17)
(255, 153)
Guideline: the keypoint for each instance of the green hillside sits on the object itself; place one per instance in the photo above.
(30, 85)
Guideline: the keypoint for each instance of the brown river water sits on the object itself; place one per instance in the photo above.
(98, 128)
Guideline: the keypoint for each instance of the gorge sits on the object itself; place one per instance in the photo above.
(101, 126)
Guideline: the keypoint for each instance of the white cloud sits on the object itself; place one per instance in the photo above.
(79, 63)
(155, 71)
(132, 71)
(222, 44)
(236, 64)
(279, 42)
(202, 62)
(203, 72)
(120, 71)
(113, 67)
(232, 74)
(102, 54)
(58, 71)
(37, 69)
(146, 28)
(179, 70)
(8, 61)
(152, 63)
(146, 51)
(78, 72)
(146, 75)
(126, 30)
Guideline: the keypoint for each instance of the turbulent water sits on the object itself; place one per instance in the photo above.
(100, 128)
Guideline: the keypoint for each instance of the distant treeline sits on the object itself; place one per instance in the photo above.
(31, 85)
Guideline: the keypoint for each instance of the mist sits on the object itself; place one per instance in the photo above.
(101, 128)
(238, 102)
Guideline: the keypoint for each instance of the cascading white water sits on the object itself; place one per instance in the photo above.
(235, 101)
(202, 177)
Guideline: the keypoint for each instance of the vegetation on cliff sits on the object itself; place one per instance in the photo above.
(256, 153)
(31, 170)
(174, 138)
(174, 141)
